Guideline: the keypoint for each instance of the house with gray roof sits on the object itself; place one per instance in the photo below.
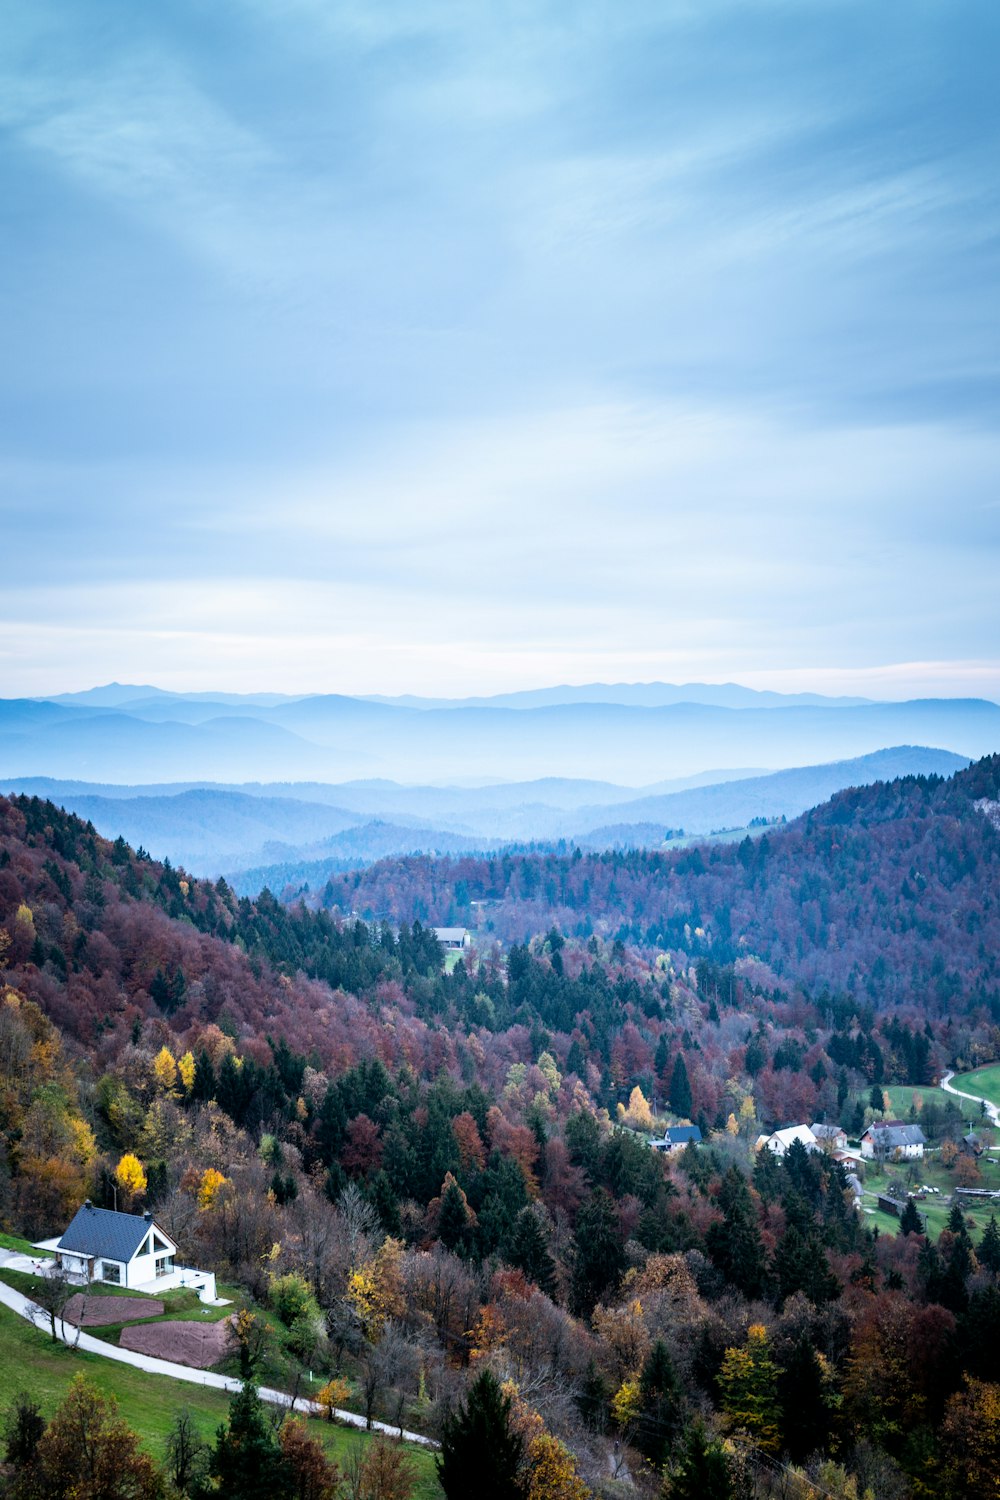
(453, 938)
(893, 1140)
(677, 1138)
(126, 1250)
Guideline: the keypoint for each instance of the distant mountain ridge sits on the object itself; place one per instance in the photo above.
(285, 833)
(334, 738)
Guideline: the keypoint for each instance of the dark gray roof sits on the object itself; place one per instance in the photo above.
(101, 1231)
(679, 1135)
(894, 1133)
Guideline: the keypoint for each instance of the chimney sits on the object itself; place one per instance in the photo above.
(148, 1217)
(87, 1203)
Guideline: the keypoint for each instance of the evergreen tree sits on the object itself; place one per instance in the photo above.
(453, 1221)
(481, 1454)
(989, 1247)
(592, 1402)
(801, 1265)
(703, 1472)
(681, 1100)
(909, 1220)
(662, 1406)
(802, 1391)
(247, 1462)
(735, 1245)
(979, 1335)
(529, 1251)
(598, 1253)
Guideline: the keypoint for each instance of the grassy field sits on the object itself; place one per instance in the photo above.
(32, 1363)
(931, 1170)
(901, 1098)
(11, 1242)
(985, 1082)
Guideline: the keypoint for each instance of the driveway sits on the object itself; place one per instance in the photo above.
(992, 1112)
(25, 1308)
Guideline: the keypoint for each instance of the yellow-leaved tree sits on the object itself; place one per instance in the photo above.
(210, 1185)
(165, 1070)
(130, 1177)
(186, 1067)
(638, 1115)
(374, 1289)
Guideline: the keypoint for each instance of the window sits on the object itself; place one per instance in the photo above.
(164, 1265)
(111, 1272)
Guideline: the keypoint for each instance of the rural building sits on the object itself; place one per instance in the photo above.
(453, 937)
(830, 1137)
(126, 1250)
(676, 1138)
(972, 1145)
(892, 1140)
(780, 1141)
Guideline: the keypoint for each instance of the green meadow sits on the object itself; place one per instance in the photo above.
(32, 1363)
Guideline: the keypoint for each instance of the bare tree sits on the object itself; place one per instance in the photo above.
(389, 1365)
(187, 1454)
(50, 1297)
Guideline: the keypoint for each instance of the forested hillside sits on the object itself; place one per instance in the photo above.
(889, 894)
(434, 1173)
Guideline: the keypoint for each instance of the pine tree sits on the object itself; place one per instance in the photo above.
(735, 1245)
(481, 1454)
(598, 1253)
(662, 1398)
(681, 1101)
(703, 1473)
(989, 1247)
(592, 1402)
(529, 1251)
(453, 1220)
(247, 1462)
(909, 1219)
(803, 1391)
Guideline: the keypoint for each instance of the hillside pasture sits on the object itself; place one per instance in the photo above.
(32, 1364)
(983, 1082)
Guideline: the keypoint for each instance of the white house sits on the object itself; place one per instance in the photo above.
(677, 1138)
(780, 1141)
(892, 1140)
(126, 1250)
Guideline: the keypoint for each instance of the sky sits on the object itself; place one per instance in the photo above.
(452, 348)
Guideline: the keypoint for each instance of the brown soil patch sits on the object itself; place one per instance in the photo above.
(197, 1344)
(99, 1311)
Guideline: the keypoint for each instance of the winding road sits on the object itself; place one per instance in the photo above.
(31, 1311)
(993, 1113)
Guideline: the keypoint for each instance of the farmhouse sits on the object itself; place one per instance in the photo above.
(780, 1141)
(453, 937)
(892, 1139)
(676, 1138)
(126, 1250)
(830, 1137)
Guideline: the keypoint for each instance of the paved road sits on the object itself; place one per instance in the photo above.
(25, 1308)
(991, 1109)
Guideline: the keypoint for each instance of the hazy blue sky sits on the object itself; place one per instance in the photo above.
(434, 346)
